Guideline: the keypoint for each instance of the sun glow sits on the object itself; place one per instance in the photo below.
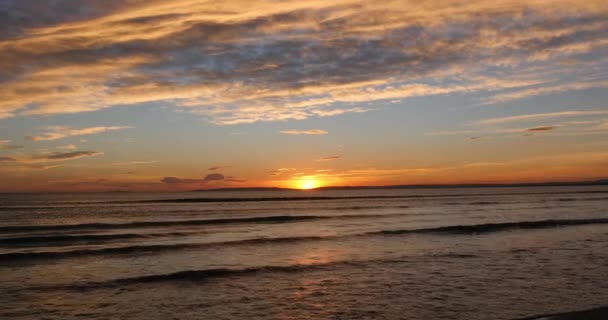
(307, 184)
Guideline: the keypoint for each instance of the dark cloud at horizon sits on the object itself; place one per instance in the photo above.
(212, 177)
(171, 180)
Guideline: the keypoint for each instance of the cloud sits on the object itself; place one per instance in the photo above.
(33, 166)
(330, 158)
(280, 171)
(175, 180)
(60, 156)
(546, 128)
(541, 116)
(521, 94)
(494, 127)
(602, 125)
(213, 177)
(208, 178)
(45, 161)
(133, 163)
(238, 62)
(218, 168)
(6, 145)
(305, 132)
(59, 132)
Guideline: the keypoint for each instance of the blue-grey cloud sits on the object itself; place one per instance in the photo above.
(545, 128)
(208, 178)
(214, 168)
(175, 180)
(57, 156)
(288, 60)
(213, 177)
(329, 158)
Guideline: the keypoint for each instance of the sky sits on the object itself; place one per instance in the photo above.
(177, 95)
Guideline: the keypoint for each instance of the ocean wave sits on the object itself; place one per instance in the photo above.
(577, 199)
(78, 238)
(67, 238)
(148, 224)
(141, 249)
(145, 249)
(496, 227)
(209, 274)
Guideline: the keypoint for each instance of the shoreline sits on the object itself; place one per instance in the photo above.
(599, 313)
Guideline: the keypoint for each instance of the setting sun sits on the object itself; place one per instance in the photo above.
(308, 184)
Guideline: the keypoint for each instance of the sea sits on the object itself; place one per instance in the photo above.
(443, 253)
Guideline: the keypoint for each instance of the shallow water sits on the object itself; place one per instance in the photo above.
(493, 253)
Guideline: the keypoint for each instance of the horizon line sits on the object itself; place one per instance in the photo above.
(595, 182)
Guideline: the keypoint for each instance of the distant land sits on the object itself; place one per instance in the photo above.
(599, 182)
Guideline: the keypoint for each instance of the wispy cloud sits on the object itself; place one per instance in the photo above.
(572, 123)
(45, 161)
(521, 94)
(60, 132)
(214, 168)
(304, 132)
(280, 171)
(541, 116)
(535, 129)
(133, 163)
(60, 156)
(6, 145)
(330, 158)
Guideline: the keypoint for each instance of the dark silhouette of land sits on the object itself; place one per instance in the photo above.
(599, 182)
